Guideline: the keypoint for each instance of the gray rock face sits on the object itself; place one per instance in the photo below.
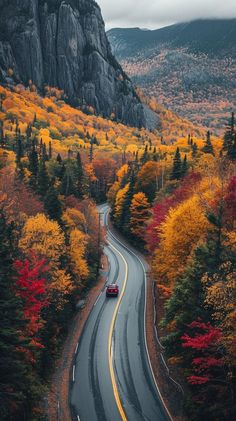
(63, 44)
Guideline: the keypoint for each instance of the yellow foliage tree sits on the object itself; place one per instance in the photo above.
(78, 243)
(140, 213)
(44, 237)
(119, 201)
(73, 218)
(111, 196)
(180, 233)
(221, 298)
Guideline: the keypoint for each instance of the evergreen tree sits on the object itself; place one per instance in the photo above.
(2, 97)
(19, 156)
(50, 150)
(145, 156)
(80, 177)
(229, 145)
(184, 166)
(2, 140)
(41, 148)
(43, 180)
(44, 153)
(52, 204)
(208, 148)
(177, 166)
(13, 368)
(91, 152)
(59, 159)
(124, 223)
(62, 171)
(185, 305)
(194, 150)
(229, 134)
(33, 166)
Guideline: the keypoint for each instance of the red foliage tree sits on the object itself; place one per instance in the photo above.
(205, 342)
(31, 288)
(230, 200)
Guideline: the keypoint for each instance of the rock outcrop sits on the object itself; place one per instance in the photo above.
(62, 43)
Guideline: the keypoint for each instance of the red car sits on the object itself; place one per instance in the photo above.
(112, 290)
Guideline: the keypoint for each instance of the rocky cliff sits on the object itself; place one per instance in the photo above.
(63, 44)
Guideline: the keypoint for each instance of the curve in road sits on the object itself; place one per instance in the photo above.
(112, 376)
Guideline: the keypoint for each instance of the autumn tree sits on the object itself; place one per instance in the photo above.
(120, 197)
(148, 179)
(208, 375)
(208, 148)
(124, 222)
(30, 286)
(140, 212)
(181, 231)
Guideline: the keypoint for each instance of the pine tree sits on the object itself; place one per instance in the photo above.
(194, 150)
(2, 140)
(59, 159)
(208, 148)
(43, 180)
(91, 152)
(50, 150)
(80, 177)
(177, 166)
(14, 385)
(33, 166)
(145, 156)
(52, 204)
(184, 166)
(2, 97)
(41, 148)
(44, 153)
(229, 145)
(124, 223)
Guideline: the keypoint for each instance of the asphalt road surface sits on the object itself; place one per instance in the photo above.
(112, 379)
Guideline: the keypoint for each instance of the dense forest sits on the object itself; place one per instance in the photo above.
(172, 194)
(180, 208)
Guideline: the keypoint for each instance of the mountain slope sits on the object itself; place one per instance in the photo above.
(212, 37)
(189, 68)
(63, 44)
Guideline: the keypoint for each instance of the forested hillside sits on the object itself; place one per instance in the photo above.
(189, 68)
(179, 206)
(172, 193)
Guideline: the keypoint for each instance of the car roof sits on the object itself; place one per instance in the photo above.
(112, 285)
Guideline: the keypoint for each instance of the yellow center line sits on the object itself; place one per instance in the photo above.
(110, 351)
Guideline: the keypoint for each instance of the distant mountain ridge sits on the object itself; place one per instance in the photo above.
(63, 44)
(210, 36)
(189, 68)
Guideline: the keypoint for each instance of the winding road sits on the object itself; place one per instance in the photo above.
(112, 378)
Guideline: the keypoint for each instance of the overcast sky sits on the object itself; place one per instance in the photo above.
(157, 13)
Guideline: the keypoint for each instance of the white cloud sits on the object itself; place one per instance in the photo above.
(157, 13)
